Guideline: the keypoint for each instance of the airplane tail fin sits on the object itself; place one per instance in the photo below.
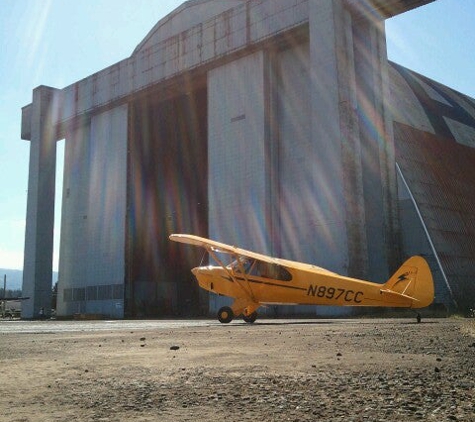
(411, 285)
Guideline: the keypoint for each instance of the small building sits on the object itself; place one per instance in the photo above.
(277, 125)
(10, 308)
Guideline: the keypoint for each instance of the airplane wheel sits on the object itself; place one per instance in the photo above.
(419, 318)
(225, 315)
(250, 318)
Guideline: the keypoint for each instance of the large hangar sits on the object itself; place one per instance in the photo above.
(278, 125)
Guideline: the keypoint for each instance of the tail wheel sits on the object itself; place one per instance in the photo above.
(251, 318)
(225, 315)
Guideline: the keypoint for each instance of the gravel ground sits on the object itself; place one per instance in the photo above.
(307, 370)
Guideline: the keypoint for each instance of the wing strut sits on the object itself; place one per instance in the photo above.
(248, 293)
(243, 271)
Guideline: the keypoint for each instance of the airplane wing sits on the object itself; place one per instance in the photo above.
(220, 247)
(212, 245)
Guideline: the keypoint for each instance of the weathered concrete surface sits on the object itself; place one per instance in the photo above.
(37, 269)
(275, 370)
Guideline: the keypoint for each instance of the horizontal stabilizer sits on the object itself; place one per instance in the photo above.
(398, 295)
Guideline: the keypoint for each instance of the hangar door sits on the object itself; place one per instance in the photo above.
(167, 193)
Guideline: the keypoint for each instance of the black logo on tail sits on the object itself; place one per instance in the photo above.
(402, 277)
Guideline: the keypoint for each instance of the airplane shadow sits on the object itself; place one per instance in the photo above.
(276, 322)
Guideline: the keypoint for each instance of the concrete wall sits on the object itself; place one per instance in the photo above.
(297, 155)
(295, 207)
(237, 179)
(236, 149)
(229, 32)
(91, 269)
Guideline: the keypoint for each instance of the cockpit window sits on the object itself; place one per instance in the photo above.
(242, 263)
(260, 269)
(269, 270)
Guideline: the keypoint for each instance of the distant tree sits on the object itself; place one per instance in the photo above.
(10, 293)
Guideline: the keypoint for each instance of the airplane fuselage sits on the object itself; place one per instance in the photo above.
(305, 287)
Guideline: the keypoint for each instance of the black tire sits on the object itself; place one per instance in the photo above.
(419, 318)
(225, 315)
(250, 319)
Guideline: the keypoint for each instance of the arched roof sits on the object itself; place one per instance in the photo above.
(189, 14)
(429, 106)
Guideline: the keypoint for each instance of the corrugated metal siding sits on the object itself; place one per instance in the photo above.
(441, 176)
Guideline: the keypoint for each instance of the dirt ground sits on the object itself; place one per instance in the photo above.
(299, 370)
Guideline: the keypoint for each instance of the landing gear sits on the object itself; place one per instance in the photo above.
(251, 318)
(418, 318)
(225, 315)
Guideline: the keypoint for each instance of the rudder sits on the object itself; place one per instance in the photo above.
(412, 282)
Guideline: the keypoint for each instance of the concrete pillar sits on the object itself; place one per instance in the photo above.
(38, 260)
(351, 127)
(341, 238)
(377, 147)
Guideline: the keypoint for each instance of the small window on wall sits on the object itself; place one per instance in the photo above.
(68, 295)
(91, 293)
(79, 294)
(117, 291)
(104, 292)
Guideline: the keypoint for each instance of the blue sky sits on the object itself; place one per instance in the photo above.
(58, 42)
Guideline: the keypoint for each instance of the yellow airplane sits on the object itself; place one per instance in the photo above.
(253, 279)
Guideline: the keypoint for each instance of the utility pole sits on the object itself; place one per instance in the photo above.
(3, 303)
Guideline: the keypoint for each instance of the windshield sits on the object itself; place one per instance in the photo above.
(260, 269)
(242, 263)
